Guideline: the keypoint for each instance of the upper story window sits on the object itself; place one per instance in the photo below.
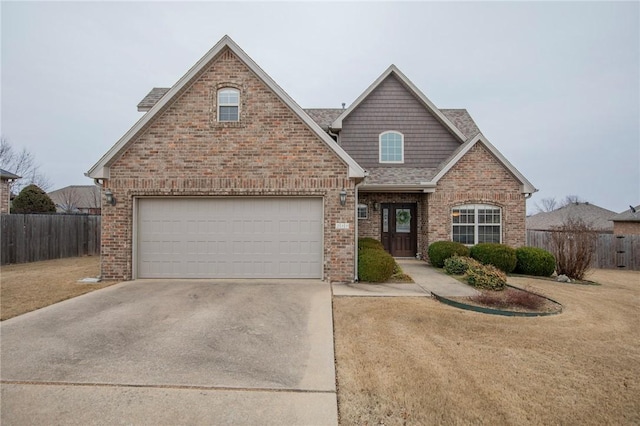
(476, 223)
(391, 147)
(228, 104)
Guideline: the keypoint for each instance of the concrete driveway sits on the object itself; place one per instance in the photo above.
(174, 352)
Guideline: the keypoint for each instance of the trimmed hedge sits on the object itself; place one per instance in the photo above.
(458, 265)
(369, 243)
(535, 261)
(501, 256)
(442, 250)
(375, 265)
(486, 277)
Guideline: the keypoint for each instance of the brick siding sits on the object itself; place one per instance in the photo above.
(5, 194)
(626, 228)
(185, 151)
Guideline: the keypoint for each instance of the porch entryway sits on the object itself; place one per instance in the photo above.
(399, 229)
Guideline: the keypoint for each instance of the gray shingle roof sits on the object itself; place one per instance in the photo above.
(152, 98)
(324, 116)
(599, 218)
(8, 175)
(628, 215)
(398, 175)
(462, 120)
(83, 196)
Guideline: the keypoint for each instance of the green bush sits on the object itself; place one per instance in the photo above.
(501, 256)
(441, 250)
(32, 200)
(458, 265)
(369, 243)
(486, 277)
(535, 261)
(375, 265)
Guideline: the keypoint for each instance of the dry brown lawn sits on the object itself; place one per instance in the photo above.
(418, 362)
(29, 286)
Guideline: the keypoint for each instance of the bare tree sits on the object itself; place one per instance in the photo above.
(69, 199)
(572, 199)
(21, 163)
(548, 204)
(573, 245)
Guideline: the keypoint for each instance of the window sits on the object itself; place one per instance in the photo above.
(391, 147)
(363, 211)
(228, 104)
(476, 223)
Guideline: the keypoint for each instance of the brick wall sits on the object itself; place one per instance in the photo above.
(626, 228)
(269, 152)
(5, 194)
(478, 178)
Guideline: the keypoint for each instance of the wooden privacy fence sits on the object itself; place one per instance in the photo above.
(611, 252)
(34, 237)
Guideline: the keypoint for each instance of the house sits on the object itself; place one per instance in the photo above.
(627, 222)
(5, 190)
(596, 217)
(226, 176)
(82, 199)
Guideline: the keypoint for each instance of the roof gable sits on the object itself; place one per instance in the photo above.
(101, 169)
(393, 70)
(526, 186)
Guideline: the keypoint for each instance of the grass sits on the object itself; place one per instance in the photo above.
(415, 361)
(29, 286)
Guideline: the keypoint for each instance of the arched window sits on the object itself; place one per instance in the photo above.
(391, 147)
(476, 223)
(228, 104)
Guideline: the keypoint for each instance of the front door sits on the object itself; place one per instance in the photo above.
(399, 235)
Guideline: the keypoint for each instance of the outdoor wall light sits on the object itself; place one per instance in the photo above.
(110, 198)
(376, 206)
(343, 197)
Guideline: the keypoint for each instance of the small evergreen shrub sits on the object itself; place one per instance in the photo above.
(375, 265)
(458, 265)
(441, 250)
(501, 256)
(32, 199)
(486, 277)
(535, 261)
(369, 243)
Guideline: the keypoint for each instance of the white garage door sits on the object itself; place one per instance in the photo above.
(229, 238)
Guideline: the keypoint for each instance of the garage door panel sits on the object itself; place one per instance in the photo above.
(229, 238)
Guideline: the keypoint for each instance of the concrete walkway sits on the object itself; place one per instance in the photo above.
(427, 280)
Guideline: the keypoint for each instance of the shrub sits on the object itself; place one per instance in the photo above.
(487, 277)
(573, 245)
(534, 261)
(369, 243)
(511, 298)
(501, 256)
(441, 250)
(458, 265)
(33, 200)
(375, 265)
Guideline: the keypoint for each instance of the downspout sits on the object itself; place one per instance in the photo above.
(355, 272)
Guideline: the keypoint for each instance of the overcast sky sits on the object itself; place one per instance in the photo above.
(554, 86)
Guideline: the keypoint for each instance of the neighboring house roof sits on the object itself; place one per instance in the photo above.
(101, 169)
(80, 197)
(152, 98)
(337, 123)
(8, 175)
(597, 217)
(628, 215)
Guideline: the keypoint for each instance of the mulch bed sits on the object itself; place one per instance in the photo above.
(511, 299)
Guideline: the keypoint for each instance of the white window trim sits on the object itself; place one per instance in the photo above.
(475, 208)
(366, 211)
(220, 104)
(380, 147)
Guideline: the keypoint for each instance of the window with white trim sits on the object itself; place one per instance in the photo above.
(391, 147)
(476, 223)
(228, 104)
(363, 211)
